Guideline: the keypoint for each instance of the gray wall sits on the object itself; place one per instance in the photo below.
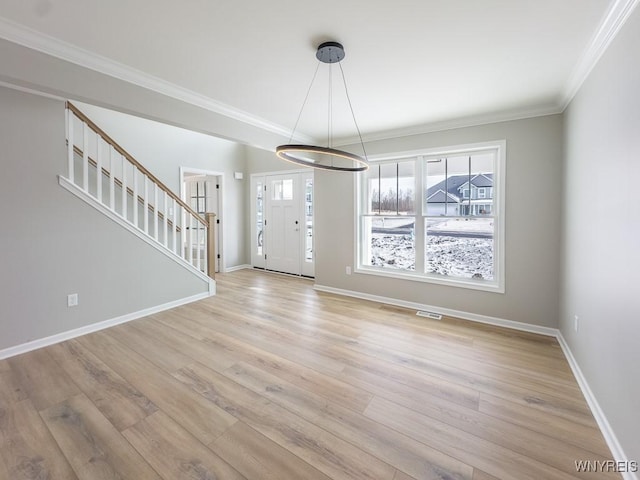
(601, 250)
(53, 244)
(533, 205)
(163, 149)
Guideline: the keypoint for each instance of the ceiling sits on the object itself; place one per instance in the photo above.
(410, 65)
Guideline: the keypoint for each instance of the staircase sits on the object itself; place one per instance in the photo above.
(103, 174)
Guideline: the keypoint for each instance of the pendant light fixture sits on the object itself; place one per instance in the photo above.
(326, 158)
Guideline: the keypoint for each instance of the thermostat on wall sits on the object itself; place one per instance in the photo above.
(237, 175)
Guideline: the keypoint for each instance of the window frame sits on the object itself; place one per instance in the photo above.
(497, 285)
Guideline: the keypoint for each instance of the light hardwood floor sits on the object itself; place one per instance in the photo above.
(272, 380)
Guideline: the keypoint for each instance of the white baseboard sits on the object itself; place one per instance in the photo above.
(598, 414)
(94, 327)
(236, 268)
(500, 322)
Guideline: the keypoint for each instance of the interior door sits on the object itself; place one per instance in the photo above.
(282, 223)
(202, 196)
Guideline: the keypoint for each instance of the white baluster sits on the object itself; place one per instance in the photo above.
(124, 187)
(198, 243)
(134, 203)
(70, 154)
(190, 238)
(156, 211)
(85, 157)
(175, 226)
(183, 233)
(166, 220)
(99, 170)
(112, 180)
(146, 204)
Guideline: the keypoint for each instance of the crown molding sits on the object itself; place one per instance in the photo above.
(464, 122)
(609, 27)
(27, 37)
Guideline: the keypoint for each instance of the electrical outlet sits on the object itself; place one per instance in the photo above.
(72, 300)
(575, 322)
(348, 270)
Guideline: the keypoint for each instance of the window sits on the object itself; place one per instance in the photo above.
(282, 189)
(435, 216)
(308, 215)
(388, 220)
(259, 206)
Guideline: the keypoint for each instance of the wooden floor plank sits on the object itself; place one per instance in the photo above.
(259, 458)
(116, 398)
(175, 453)
(394, 448)
(326, 452)
(402, 476)
(488, 456)
(570, 432)
(27, 449)
(168, 358)
(369, 368)
(196, 348)
(10, 388)
(94, 448)
(202, 419)
(480, 475)
(406, 368)
(319, 383)
(42, 379)
(235, 326)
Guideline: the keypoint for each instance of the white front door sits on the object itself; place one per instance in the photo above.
(282, 223)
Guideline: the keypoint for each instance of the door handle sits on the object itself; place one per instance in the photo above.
(296, 222)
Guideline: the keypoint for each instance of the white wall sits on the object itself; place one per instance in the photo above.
(53, 244)
(163, 149)
(601, 232)
(533, 205)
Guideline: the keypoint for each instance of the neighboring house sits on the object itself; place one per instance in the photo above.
(461, 195)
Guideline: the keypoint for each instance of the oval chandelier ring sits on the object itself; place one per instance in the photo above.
(326, 158)
(319, 155)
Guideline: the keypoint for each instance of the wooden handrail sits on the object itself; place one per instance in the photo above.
(132, 160)
(78, 151)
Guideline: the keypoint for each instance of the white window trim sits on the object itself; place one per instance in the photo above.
(499, 181)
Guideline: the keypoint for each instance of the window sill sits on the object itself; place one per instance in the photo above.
(492, 287)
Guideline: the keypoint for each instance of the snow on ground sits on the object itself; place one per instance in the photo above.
(477, 224)
(453, 256)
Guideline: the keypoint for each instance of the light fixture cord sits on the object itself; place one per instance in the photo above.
(330, 113)
(305, 102)
(344, 81)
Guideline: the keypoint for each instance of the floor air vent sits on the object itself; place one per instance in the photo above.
(432, 315)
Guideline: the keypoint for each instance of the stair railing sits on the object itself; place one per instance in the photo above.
(104, 170)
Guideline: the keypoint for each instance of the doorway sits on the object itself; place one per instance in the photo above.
(282, 222)
(202, 191)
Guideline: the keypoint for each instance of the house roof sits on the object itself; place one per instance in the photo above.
(454, 182)
(482, 180)
(439, 197)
